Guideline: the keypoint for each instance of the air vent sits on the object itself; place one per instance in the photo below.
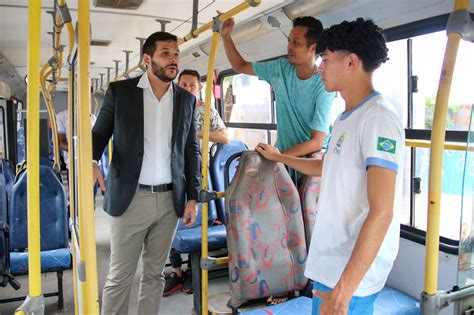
(118, 4)
(100, 42)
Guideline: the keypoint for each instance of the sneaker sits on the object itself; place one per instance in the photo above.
(188, 283)
(173, 284)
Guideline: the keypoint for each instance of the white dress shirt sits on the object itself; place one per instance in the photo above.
(157, 129)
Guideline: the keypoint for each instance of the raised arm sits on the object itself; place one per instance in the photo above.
(312, 167)
(239, 64)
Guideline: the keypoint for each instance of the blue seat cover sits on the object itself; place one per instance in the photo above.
(216, 167)
(299, 306)
(189, 240)
(394, 302)
(389, 302)
(55, 253)
(53, 213)
(56, 259)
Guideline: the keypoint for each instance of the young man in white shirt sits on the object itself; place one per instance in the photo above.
(355, 239)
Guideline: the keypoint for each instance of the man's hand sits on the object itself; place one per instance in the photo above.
(333, 302)
(227, 27)
(268, 151)
(190, 213)
(98, 178)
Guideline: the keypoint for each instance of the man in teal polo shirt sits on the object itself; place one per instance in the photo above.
(302, 103)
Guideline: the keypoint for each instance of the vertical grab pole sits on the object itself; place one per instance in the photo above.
(34, 303)
(87, 257)
(436, 157)
(205, 160)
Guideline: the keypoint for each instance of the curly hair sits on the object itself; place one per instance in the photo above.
(361, 37)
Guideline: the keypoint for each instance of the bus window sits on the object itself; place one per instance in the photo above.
(251, 99)
(248, 109)
(428, 52)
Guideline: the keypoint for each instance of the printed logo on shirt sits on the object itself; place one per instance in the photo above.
(337, 148)
(386, 145)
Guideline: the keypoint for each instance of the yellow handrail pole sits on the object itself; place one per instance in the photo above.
(72, 200)
(205, 161)
(32, 152)
(224, 16)
(436, 157)
(447, 146)
(88, 280)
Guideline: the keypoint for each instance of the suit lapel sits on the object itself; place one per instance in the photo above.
(139, 111)
(176, 113)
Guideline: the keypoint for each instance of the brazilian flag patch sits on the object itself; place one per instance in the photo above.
(386, 145)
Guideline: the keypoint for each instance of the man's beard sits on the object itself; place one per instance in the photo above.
(160, 73)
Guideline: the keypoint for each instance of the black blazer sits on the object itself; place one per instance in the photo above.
(121, 114)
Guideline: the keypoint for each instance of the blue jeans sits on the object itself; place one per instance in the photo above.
(357, 306)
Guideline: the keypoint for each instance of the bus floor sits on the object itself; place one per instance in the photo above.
(176, 304)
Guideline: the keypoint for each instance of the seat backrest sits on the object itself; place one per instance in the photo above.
(104, 162)
(53, 212)
(309, 193)
(216, 167)
(265, 233)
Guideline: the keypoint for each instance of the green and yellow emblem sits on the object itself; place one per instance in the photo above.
(386, 145)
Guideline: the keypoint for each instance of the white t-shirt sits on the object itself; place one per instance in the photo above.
(369, 134)
(62, 120)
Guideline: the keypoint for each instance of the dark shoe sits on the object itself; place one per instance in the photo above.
(173, 284)
(188, 283)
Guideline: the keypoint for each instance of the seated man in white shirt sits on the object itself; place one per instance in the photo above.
(190, 81)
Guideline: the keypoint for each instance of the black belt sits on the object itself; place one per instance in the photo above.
(155, 188)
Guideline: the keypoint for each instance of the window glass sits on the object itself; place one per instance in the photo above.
(247, 99)
(251, 137)
(391, 78)
(428, 53)
(451, 189)
(203, 95)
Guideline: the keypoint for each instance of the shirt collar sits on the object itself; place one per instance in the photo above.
(144, 83)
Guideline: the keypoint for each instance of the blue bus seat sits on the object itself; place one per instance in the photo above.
(394, 302)
(55, 252)
(216, 168)
(104, 162)
(299, 306)
(389, 302)
(265, 232)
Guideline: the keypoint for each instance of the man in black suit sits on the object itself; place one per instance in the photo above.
(154, 176)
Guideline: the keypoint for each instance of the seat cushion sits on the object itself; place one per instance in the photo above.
(57, 259)
(299, 306)
(189, 240)
(394, 302)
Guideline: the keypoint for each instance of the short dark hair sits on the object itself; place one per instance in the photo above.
(194, 73)
(149, 46)
(314, 26)
(361, 37)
